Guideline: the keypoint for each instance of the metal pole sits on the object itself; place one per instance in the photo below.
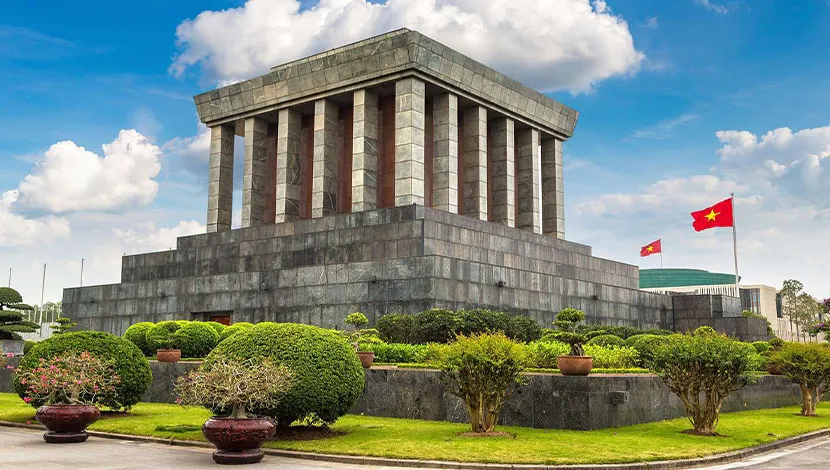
(42, 292)
(82, 272)
(735, 245)
(661, 258)
(10, 277)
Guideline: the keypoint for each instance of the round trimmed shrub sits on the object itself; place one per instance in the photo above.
(396, 328)
(196, 339)
(481, 320)
(28, 345)
(218, 327)
(234, 329)
(436, 325)
(607, 340)
(646, 345)
(132, 367)
(160, 335)
(137, 334)
(761, 346)
(523, 328)
(329, 376)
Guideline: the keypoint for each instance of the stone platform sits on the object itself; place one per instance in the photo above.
(395, 260)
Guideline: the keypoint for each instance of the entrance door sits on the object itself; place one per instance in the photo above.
(223, 319)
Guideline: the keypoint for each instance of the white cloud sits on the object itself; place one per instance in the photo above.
(147, 238)
(650, 23)
(192, 153)
(17, 230)
(665, 129)
(70, 178)
(720, 9)
(548, 44)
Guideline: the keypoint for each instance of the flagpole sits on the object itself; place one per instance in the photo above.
(735, 246)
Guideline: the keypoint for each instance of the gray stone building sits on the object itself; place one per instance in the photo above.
(389, 175)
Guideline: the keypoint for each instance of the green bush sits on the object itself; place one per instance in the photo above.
(429, 354)
(543, 354)
(761, 346)
(396, 328)
(607, 340)
(807, 365)
(195, 339)
(28, 345)
(523, 328)
(645, 345)
(395, 352)
(612, 357)
(703, 369)
(137, 334)
(160, 335)
(483, 370)
(436, 325)
(594, 333)
(129, 362)
(234, 329)
(218, 327)
(481, 320)
(329, 376)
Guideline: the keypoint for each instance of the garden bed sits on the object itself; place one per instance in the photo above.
(416, 439)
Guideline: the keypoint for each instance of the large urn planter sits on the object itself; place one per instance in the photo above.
(237, 440)
(66, 423)
(366, 358)
(13, 346)
(168, 355)
(575, 365)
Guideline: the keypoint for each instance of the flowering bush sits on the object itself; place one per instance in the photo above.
(235, 386)
(819, 328)
(71, 379)
(4, 359)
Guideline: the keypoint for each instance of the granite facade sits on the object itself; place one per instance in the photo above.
(394, 260)
(721, 312)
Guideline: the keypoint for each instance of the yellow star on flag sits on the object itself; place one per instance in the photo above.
(650, 248)
(712, 215)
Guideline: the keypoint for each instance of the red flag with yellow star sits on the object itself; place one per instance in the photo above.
(719, 215)
(652, 248)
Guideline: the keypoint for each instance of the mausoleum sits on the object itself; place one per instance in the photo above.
(389, 175)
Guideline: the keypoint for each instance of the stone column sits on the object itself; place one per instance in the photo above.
(553, 189)
(220, 178)
(324, 179)
(503, 172)
(445, 149)
(410, 105)
(475, 162)
(253, 172)
(528, 162)
(288, 192)
(365, 151)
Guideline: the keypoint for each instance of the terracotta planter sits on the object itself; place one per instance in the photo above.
(66, 423)
(237, 440)
(366, 358)
(168, 355)
(773, 368)
(575, 365)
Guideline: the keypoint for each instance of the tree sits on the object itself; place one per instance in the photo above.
(808, 366)
(50, 312)
(11, 315)
(64, 325)
(795, 306)
(808, 309)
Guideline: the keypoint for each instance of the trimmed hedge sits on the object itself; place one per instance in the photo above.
(137, 334)
(196, 339)
(646, 345)
(607, 340)
(218, 327)
(28, 345)
(159, 335)
(439, 325)
(436, 325)
(396, 352)
(129, 362)
(329, 376)
(234, 329)
(523, 328)
(396, 328)
(481, 320)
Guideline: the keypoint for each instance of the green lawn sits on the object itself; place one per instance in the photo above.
(403, 438)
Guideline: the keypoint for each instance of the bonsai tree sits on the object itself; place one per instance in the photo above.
(357, 320)
(235, 386)
(703, 369)
(68, 379)
(808, 366)
(11, 315)
(63, 325)
(483, 369)
(566, 323)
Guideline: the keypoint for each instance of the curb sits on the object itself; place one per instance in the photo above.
(389, 462)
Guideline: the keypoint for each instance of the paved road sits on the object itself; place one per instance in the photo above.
(24, 449)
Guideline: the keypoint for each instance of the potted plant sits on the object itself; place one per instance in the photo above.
(575, 363)
(358, 321)
(236, 387)
(69, 386)
(12, 322)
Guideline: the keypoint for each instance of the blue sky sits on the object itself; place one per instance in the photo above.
(645, 151)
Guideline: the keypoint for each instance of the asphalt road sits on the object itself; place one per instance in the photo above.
(24, 449)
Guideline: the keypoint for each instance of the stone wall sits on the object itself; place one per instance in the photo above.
(396, 260)
(721, 312)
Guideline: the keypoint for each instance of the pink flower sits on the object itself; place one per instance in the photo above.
(9, 354)
(27, 399)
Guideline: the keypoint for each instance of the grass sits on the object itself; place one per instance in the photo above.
(415, 439)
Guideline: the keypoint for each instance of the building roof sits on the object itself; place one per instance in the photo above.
(682, 277)
(381, 58)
